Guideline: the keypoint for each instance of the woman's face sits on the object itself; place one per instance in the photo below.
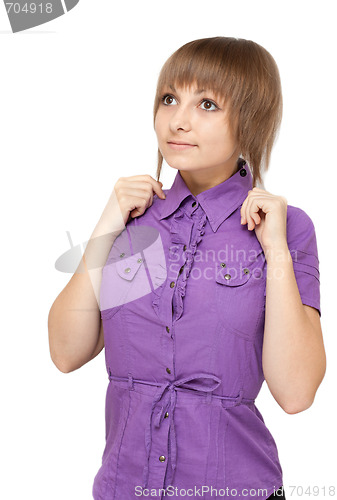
(196, 118)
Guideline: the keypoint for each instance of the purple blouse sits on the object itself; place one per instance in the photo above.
(182, 301)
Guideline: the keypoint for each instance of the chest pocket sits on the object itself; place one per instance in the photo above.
(122, 282)
(133, 268)
(240, 298)
(128, 268)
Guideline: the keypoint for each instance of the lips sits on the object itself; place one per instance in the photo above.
(181, 147)
(181, 143)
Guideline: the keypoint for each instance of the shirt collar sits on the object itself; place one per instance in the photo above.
(218, 202)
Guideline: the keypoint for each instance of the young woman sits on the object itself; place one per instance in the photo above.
(208, 289)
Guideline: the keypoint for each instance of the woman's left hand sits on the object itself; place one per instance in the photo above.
(267, 214)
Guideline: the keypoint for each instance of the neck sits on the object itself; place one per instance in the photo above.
(201, 180)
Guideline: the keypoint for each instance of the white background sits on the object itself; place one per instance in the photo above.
(76, 114)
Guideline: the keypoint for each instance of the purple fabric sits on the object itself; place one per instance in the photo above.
(183, 304)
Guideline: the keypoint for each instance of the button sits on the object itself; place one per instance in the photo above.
(139, 260)
(202, 233)
(127, 270)
(167, 329)
(223, 264)
(166, 415)
(122, 255)
(228, 276)
(194, 204)
(162, 458)
(172, 284)
(185, 247)
(246, 271)
(181, 269)
(168, 370)
(243, 172)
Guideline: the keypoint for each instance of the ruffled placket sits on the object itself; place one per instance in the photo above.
(189, 253)
(182, 232)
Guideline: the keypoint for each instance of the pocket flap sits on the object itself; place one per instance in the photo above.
(127, 268)
(236, 272)
(232, 274)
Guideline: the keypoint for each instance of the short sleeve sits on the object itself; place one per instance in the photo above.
(302, 244)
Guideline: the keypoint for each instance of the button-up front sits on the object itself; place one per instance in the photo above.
(183, 307)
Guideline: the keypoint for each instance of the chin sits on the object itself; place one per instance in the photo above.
(179, 165)
(172, 164)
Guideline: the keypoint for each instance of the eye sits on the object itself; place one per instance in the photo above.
(168, 98)
(211, 103)
(163, 99)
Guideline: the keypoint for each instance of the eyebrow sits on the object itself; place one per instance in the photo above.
(198, 91)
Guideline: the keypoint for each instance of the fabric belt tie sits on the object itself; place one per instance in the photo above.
(167, 395)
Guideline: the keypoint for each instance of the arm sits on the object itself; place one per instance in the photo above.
(74, 322)
(293, 358)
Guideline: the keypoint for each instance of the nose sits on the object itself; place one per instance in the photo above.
(180, 119)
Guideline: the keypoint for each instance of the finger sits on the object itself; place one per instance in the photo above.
(244, 207)
(139, 194)
(140, 206)
(256, 217)
(250, 197)
(243, 211)
(156, 185)
(249, 219)
(145, 186)
(252, 215)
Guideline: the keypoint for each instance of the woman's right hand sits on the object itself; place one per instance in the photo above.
(135, 194)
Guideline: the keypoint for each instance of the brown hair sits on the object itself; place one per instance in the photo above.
(244, 75)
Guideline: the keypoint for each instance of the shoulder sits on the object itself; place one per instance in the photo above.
(297, 214)
(298, 220)
(300, 230)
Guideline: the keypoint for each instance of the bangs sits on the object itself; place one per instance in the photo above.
(199, 65)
